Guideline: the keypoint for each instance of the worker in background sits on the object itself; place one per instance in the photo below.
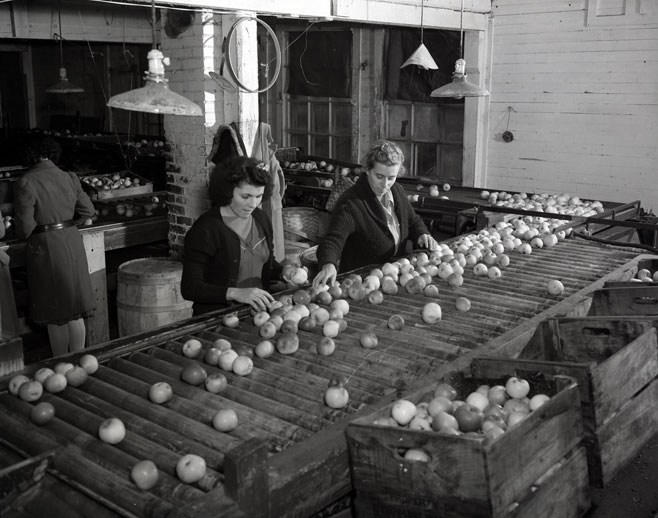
(373, 220)
(274, 205)
(228, 256)
(47, 202)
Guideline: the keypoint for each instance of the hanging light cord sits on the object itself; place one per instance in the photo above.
(461, 32)
(153, 35)
(422, 9)
(61, 36)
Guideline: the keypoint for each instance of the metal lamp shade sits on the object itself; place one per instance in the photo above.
(460, 86)
(155, 97)
(422, 58)
(63, 86)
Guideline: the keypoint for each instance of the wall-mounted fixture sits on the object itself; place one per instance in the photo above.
(421, 56)
(460, 86)
(155, 96)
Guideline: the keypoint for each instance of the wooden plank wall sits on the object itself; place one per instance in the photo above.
(581, 79)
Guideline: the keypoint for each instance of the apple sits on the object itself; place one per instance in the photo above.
(287, 343)
(331, 328)
(447, 391)
(215, 383)
(302, 297)
(264, 349)
(420, 422)
(368, 339)
(299, 276)
(268, 329)
(537, 400)
(336, 397)
(231, 319)
(63, 367)
(554, 287)
(30, 391)
(212, 356)
(431, 313)
(293, 315)
(497, 394)
(326, 346)
(335, 291)
(494, 409)
(416, 455)
(389, 286)
(193, 373)
(496, 419)
(320, 315)
(478, 400)
(307, 324)
(290, 326)
(112, 431)
(144, 474)
(463, 304)
(483, 389)
(76, 376)
(190, 468)
(516, 405)
(517, 388)
(225, 420)
(222, 344)
(243, 365)
(260, 318)
(42, 374)
(16, 382)
(192, 348)
(342, 305)
(469, 418)
(226, 359)
(160, 392)
(455, 280)
(494, 272)
(403, 411)
(439, 404)
(443, 420)
(342, 324)
(375, 297)
(515, 418)
(89, 362)
(55, 383)
(395, 322)
(324, 298)
(42, 413)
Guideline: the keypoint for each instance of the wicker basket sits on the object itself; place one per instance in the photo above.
(301, 223)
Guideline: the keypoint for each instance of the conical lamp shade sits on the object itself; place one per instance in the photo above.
(155, 96)
(63, 86)
(460, 87)
(422, 58)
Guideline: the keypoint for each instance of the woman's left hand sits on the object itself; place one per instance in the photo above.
(427, 241)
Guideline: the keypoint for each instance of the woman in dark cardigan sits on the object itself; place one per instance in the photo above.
(373, 220)
(228, 255)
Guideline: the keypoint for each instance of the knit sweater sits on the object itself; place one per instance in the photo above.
(358, 234)
(211, 260)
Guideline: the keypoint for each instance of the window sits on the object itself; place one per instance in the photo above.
(431, 136)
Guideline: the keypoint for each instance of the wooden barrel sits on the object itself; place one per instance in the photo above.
(148, 295)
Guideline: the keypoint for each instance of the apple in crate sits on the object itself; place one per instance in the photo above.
(112, 431)
(517, 388)
(144, 474)
(469, 418)
(190, 468)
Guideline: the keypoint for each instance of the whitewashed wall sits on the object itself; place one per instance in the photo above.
(581, 78)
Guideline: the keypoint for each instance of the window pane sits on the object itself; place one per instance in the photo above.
(408, 159)
(342, 123)
(342, 149)
(453, 124)
(320, 118)
(399, 118)
(427, 161)
(298, 116)
(320, 146)
(300, 141)
(451, 165)
(426, 123)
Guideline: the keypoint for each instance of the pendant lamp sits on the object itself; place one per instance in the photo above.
(155, 96)
(460, 87)
(63, 86)
(421, 56)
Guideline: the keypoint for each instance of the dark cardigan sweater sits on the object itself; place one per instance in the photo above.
(211, 260)
(358, 234)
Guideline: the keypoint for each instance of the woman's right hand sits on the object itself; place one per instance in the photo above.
(325, 276)
(257, 298)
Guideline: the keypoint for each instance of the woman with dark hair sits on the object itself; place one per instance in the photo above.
(373, 220)
(228, 253)
(47, 202)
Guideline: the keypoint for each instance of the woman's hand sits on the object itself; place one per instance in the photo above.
(427, 241)
(257, 298)
(325, 276)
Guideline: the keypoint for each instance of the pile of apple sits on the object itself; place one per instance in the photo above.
(486, 412)
(321, 166)
(111, 182)
(146, 147)
(433, 191)
(645, 275)
(562, 203)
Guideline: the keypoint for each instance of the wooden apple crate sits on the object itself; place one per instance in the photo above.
(615, 361)
(632, 299)
(145, 187)
(536, 469)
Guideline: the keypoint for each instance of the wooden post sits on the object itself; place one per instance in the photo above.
(245, 469)
(11, 345)
(98, 329)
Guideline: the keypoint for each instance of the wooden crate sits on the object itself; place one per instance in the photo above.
(536, 469)
(145, 187)
(632, 298)
(615, 361)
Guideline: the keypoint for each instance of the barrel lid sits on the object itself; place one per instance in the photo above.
(160, 267)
